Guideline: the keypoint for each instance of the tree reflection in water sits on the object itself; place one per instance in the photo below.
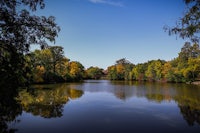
(186, 96)
(47, 101)
(9, 108)
(189, 103)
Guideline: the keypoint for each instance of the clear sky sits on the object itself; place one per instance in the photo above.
(99, 32)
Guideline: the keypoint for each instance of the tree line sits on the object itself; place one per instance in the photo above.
(184, 68)
(51, 66)
(20, 28)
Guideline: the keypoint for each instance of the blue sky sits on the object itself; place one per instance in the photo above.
(99, 32)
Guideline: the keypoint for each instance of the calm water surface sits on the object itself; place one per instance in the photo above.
(101, 106)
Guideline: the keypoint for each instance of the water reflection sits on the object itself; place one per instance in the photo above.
(9, 108)
(47, 100)
(186, 96)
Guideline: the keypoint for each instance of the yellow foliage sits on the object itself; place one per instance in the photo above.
(166, 68)
(39, 72)
(120, 68)
(74, 68)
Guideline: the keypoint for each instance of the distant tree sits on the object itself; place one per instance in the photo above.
(121, 70)
(94, 72)
(189, 25)
(62, 67)
(167, 71)
(138, 72)
(123, 61)
(150, 72)
(19, 28)
(154, 70)
(76, 70)
(112, 72)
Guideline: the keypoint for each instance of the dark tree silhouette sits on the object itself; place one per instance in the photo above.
(19, 28)
(189, 25)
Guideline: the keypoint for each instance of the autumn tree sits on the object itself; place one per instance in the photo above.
(121, 70)
(62, 67)
(19, 28)
(138, 72)
(193, 69)
(76, 70)
(112, 72)
(154, 70)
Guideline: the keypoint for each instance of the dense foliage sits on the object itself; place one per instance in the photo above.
(19, 28)
(184, 68)
(94, 73)
(51, 66)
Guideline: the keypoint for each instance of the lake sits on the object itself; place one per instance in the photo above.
(103, 106)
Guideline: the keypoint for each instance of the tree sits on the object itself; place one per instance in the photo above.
(76, 70)
(112, 72)
(18, 30)
(120, 71)
(53, 62)
(189, 25)
(150, 72)
(138, 72)
(57, 55)
(62, 68)
(193, 69)
(94, 72)
(123, 61)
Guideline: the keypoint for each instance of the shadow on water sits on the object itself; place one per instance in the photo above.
(9, 107)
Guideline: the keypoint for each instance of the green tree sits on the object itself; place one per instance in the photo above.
(57, 56)
(112, 72)
(150, 72)
(19, 28)
(48, 65)
(193, 69)
(187, 51)
(94, 73)
(138, 72)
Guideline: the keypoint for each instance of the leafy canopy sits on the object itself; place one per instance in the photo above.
(188, 26)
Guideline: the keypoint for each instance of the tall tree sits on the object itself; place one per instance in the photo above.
(19, 28)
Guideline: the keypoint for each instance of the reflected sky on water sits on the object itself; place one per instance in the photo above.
(109, 106)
